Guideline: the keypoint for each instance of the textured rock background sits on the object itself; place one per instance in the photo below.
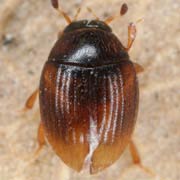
(33, 30)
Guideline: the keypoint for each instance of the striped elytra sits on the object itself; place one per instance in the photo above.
(88, 97)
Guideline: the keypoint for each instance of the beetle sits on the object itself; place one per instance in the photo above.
(89, 95)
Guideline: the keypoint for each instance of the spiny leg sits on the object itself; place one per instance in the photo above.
(30, 101)
(136, 158)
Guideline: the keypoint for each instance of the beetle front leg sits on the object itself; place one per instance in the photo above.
(131, 35)
(132, 31)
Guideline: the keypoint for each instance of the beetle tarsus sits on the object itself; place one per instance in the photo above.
(41, 140)
(137, 159)
(132, 31)
(131, 35)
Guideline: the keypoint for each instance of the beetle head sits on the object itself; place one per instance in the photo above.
(77, 25)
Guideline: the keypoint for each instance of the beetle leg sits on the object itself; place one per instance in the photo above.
(131, 35)
(138, 68)
(41, 139)
(41, 143)
(132, 31)
(136, 158)
(31, 100)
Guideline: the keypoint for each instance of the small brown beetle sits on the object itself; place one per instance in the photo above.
(89, 95)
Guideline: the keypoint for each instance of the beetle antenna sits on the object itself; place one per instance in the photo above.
(78, 11)
(56, 6)
(77, 14)
(92, 12)
(123, 11)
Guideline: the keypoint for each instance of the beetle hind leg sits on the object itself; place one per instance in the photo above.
(30, 160)
(41, 140)
(137, 160)
(41, 143)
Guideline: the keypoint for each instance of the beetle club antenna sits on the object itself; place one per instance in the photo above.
(123, 11)
(56, 6)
